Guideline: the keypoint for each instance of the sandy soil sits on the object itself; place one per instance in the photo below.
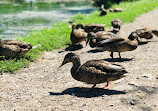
(42, 87)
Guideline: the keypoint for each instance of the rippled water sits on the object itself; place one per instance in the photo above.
(21, 22)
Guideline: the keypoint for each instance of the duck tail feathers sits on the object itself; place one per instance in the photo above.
(155, 32)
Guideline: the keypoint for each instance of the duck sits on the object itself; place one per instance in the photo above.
(119, 44)
(95, 38)
(13, 48)
(103, 11)
(116, 23)
(77, 35)
(116, 10)
(93, 71)
(91, 27)
(145, 32)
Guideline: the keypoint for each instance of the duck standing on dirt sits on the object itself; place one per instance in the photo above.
(116, 23)
(119, 45)
(145, 32)
(93, 71)
(95, 38)
(77, 35)
(13, 48)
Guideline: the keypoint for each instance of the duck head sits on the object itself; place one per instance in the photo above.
(70, 57)
(134, 36)
(72, 25)
(80, 25)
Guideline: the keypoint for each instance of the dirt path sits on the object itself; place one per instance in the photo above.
(42, 87)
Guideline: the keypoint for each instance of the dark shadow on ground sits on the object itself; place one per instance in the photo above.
(69, 48)
(94, 51)
(143, 43)
(118, 59)
(96, 92)
(145, 92)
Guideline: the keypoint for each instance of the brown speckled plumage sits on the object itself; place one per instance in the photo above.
(119, 44)
(13, 48)
(116, 23)
(116, 10)
(146, 33)
(91, 27)
(77, 35)
(95, 38)
(93, 71)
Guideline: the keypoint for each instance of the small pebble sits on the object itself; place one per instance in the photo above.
(83, 104)
(139, 91)
(132, 102)
(145, 76)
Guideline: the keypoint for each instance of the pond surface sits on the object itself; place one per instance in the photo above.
(17, 20)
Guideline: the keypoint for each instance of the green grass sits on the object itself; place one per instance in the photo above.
(59, 35)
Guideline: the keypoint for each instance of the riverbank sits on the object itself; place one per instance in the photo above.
(46, 1)
(42, 87)
(58, 36)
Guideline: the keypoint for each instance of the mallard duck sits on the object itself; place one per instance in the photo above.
(103, 10)
(91, 27)
(119, 45)
(93, 71)
(116, 23)
(95, 38)
(13, 48)
(116, 10)
(145, 32)
(77, 35)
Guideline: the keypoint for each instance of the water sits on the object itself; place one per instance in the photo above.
(18, 20)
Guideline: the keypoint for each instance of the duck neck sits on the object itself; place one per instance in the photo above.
(73, 27)
(80, 26)
(76, 63)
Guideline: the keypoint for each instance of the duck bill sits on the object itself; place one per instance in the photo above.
(70, 26)
(62, 64)
(139, 39)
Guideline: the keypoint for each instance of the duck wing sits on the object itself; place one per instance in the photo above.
(9, 50)
(112, 41)
(103, 66)
(79, 33)
(99, 71)
(17, 43)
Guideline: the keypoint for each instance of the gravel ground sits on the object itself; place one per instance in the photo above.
(44, 87)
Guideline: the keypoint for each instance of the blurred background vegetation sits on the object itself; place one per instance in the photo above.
(96, 3)
(108, 3)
